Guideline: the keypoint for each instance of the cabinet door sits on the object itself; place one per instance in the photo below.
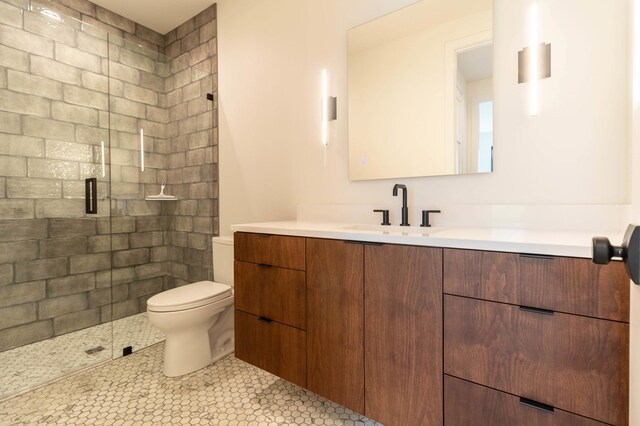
(574, 363)
(403, 335)
(270, 292)
(271, 346)
(335, 333)
(562, 284)
(267, 249)
(469, 404)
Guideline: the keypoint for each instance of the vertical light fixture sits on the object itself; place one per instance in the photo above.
(142, 150)
(102, 158)
(534, 61)
(534, 66)
(324, 108)
(328, 110)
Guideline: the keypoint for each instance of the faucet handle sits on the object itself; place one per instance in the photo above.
(425, 217)
(385, 216)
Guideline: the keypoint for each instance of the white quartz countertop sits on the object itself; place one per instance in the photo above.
(554, 243)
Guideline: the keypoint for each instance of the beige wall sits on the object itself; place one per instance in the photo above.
(634, 178)
(574, 152)
(272, 52)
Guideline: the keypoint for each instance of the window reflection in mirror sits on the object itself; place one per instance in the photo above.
(474, 109)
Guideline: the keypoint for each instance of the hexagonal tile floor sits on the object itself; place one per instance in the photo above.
(133, 391)
(31, 365)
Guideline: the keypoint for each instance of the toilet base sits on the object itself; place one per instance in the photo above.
(205, 346)
(195, 338)
(178, 361)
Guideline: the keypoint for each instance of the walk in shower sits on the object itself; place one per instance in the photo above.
(93, 121)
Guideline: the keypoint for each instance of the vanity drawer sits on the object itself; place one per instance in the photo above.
(271, 346)
(469, 404)
(564, 284)
(574, 363)
(267, 249)
(275, 293)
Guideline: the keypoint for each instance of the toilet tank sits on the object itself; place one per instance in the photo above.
(223, 259)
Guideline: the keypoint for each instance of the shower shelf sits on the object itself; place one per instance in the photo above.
(161, 196)
(165, 198)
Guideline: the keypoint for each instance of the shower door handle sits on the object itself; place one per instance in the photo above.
(91, 195)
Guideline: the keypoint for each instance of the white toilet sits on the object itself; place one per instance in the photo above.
(197, 319)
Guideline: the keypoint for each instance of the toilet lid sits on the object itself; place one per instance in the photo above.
(188, 296)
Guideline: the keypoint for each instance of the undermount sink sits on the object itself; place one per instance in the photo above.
(395, 230)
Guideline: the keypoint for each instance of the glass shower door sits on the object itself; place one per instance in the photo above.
(160, 127)
(55, 236)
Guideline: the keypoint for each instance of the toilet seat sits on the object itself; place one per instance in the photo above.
(189, 296)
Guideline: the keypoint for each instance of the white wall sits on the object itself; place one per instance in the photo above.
(634, 177)
(575, 152)
(270, 56)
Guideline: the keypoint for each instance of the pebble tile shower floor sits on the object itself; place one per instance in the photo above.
(133, 391)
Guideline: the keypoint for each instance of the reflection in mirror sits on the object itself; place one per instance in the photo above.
(474, 110)
(420, 91)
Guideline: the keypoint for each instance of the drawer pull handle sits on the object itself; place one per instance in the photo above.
(263, 265)
(537, 256)
(537, 405)
(265, 319)
(536, 310)
(364, 243)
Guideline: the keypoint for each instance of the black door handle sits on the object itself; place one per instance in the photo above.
(91, 195)
(628, 252)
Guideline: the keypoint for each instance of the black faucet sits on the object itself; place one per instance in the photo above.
(405, 209)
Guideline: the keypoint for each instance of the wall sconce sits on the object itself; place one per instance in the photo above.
(142, 150)
(534, 62)
(329, 110)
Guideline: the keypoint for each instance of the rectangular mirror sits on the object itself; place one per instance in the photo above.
(420, 91)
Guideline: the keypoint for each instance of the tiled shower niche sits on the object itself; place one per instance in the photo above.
(77, 84)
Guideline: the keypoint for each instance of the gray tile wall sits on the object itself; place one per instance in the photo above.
(62, 91)
(192, 130)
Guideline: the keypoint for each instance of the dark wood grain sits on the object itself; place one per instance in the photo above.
(276, 348)
(469, 404)
(275, 293)
(574, 363)
(403, 335)
(564, 284)
(275, 250)
(335, 321)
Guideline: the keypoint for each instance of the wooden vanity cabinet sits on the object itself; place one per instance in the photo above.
(335, 321)
(552, 330)
(570, 362)
(374, 329)
(469, 404)
(562, 284)
(267, 249)
(410, 335)
(278, 294)
(403, 334)
(270, 295)
(271, 346)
